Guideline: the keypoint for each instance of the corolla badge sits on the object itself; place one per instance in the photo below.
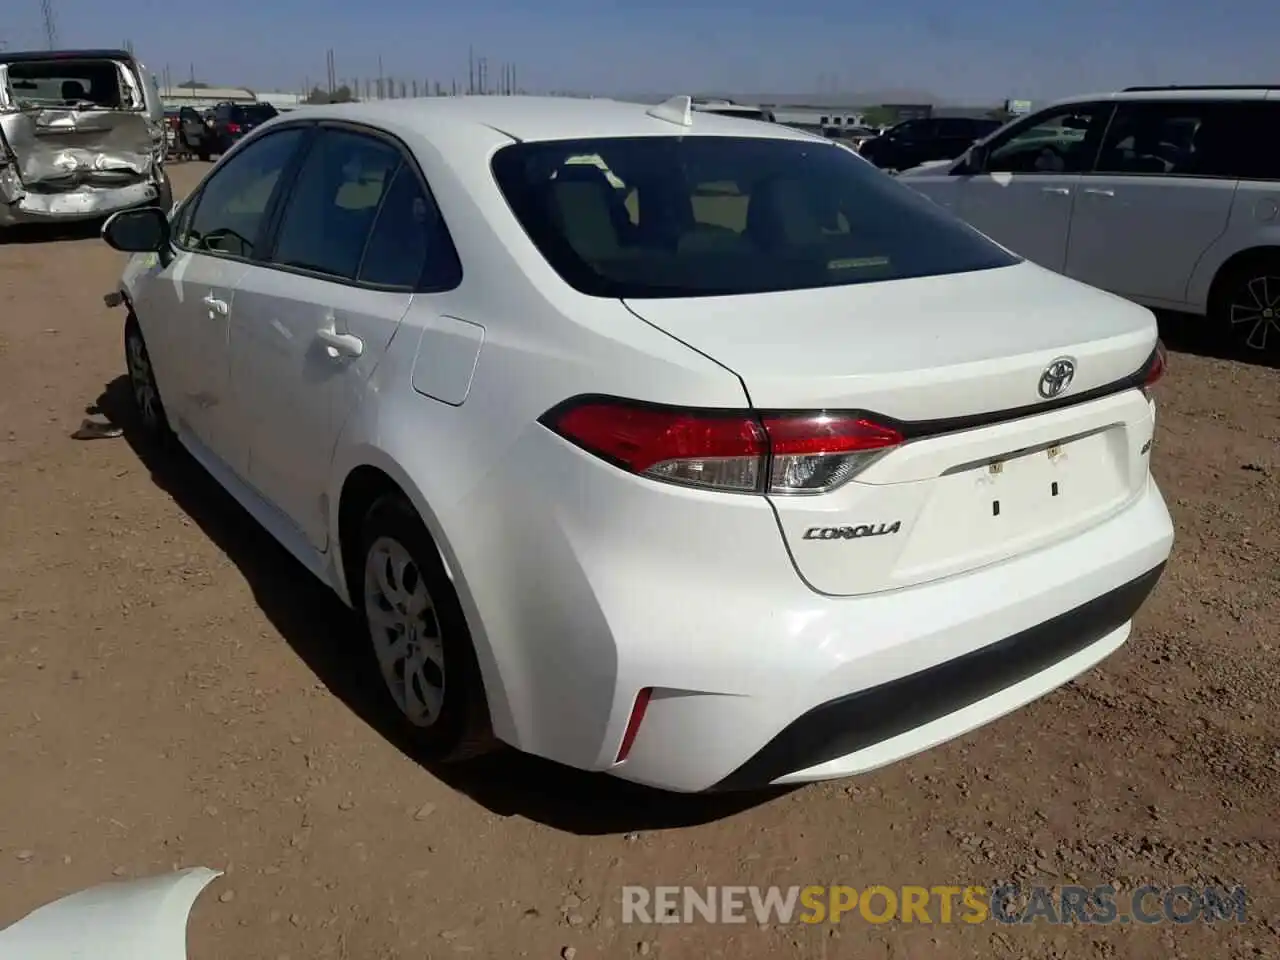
(1057, 377)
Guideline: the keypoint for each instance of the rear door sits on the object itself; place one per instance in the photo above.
(1024, 195)
(357, 240)
(1159, 196)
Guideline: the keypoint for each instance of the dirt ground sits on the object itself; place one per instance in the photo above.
(175, 691)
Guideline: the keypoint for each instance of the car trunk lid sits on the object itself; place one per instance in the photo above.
(989, 468)
(70, 147)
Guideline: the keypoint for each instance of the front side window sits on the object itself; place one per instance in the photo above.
(1061, 140)
(230, 212)
(1192, 139)
(332, 207)
(715, 216)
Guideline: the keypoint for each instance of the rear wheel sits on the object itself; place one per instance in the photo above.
(419, 635)
(142, 385)
(1246, 305)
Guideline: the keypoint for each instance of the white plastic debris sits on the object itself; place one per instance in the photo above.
(133, 920)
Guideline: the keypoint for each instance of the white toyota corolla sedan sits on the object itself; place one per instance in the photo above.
(677, 446)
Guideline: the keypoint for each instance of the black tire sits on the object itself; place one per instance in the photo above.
(148, 408)
(1244, 306)
(203, 154)
(460, 727)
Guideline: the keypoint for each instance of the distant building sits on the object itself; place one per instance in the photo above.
(204, 97)
(818, 117)
(281, 101)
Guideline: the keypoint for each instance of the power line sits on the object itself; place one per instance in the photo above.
(50, 26)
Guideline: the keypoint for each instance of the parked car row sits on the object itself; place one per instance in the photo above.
(215, 131)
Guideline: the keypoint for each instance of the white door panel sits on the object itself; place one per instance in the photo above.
(303, 350)
(187, 311)
(1143, 236)
(1028, 213)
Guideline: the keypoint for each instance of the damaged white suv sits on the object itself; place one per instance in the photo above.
(81, 136)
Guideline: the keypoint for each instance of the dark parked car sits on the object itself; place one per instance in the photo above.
(914, 142)
(231, 121)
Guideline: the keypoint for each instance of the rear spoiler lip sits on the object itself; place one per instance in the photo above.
(915, 429)
(910, 429)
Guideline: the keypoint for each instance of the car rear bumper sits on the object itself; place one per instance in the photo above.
(84, 203)
(861, 730)
(594, 585)
(872, 680)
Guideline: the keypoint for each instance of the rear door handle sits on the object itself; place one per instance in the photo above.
(1057, 191)
(1099, 192)
(340, 345)
(216, 307)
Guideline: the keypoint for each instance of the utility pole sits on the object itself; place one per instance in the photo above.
(471, 70)
(50, 25)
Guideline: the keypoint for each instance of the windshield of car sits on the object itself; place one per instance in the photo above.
(68, 83)
(258, 113)
(713, 216)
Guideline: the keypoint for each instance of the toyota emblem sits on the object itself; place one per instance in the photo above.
(1057, 377)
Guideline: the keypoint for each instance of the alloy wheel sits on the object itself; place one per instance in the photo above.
(1254, 313)
(405, 631)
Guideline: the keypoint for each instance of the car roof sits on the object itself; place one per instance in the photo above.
(30, 56)
(542, 118)
(1176, 94)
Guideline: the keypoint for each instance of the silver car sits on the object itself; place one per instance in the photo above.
(82, 135)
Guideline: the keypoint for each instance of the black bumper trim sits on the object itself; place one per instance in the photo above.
(860, 720)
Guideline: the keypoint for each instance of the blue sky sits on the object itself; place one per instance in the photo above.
(980, 51)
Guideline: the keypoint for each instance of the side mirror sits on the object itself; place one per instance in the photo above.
(143, 230)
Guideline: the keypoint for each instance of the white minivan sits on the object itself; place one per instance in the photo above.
(1169, 196)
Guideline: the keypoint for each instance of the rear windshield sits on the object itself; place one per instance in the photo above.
(258, 113)
(653, 217)
(69, 83)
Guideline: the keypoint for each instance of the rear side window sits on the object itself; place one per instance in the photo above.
(1193, 139)
(258, 113)
(409, 246)
(715, 216)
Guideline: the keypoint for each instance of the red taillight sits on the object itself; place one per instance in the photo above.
(734, 451)
(633, 722)
(233, 128)
(1155, 367)
(817, 452)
